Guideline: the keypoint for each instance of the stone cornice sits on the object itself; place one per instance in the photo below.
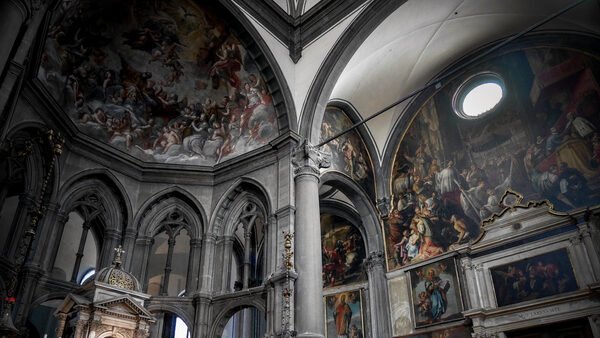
(81, 145)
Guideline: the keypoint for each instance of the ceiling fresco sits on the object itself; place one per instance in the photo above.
(164, 81)
(542, 141)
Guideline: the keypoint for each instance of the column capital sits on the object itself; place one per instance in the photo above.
(308, 159)
(383, 207)
(375, 260)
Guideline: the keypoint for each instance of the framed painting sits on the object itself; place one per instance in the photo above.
(435, 293)
(343, 315)
(532, 278)
(343, 251)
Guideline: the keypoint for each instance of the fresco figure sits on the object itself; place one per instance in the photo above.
(541, 141)
(172, 86)
(349, 153)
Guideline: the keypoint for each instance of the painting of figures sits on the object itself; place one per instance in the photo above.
(343, 312)
(533, 278)
(343, 251)
(349, 154)
(161, 80)
(435, 293)
(541, 140)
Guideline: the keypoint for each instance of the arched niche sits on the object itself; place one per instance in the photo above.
(343, 249)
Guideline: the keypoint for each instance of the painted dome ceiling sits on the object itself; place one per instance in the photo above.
(164, 81)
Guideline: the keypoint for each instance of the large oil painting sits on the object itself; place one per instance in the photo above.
(533, 278)
(343, 312)
(165, 81)
(435, 293)
(541, 141)
(343, 251)
(349, 154)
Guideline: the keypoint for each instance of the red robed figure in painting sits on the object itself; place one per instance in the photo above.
(342, 315)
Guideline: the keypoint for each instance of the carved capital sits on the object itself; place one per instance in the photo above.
(375, 260)
(308, 159)
(383, 206)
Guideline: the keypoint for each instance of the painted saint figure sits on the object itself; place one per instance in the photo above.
(342, 315)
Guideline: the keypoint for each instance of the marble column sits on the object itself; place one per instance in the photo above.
(378, 300)
(309, 318)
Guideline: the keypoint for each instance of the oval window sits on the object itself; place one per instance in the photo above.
(479, 95)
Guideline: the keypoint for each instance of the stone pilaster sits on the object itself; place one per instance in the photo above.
(307, 161)
(378, 300)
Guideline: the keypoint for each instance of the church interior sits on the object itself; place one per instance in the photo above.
(299, 168)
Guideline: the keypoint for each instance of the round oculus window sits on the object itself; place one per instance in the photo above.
(479, 95)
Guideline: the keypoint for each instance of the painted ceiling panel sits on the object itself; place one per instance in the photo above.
(170, 84)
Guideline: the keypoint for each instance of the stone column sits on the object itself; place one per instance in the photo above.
(247, 252)
(201, 315)
(164, 287)
(79, 254)
(378, 300)
(112, 239)
(207, 264)
(307, 249)
(129, 247)
(191, 284)
(143, 245)
(227, 251)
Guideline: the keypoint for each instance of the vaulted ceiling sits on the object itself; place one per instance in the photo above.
(409, 47)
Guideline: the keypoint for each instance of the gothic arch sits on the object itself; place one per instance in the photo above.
(113, 182)
(101, 186)
(330, 70)
(35, 162)
(220, 220)
(161, 204)
(188, 318)
(220, 320)
(372, 232)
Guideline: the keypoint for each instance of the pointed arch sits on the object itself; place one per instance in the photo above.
(230, 200)
(337, 59)
(112, 182)
(371, 228)
(223, 316)
(164, 201)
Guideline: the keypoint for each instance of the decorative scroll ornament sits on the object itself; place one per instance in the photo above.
(307, 158)
(288, 288)
(288, 254)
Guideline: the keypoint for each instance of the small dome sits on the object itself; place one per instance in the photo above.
(113, 275)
